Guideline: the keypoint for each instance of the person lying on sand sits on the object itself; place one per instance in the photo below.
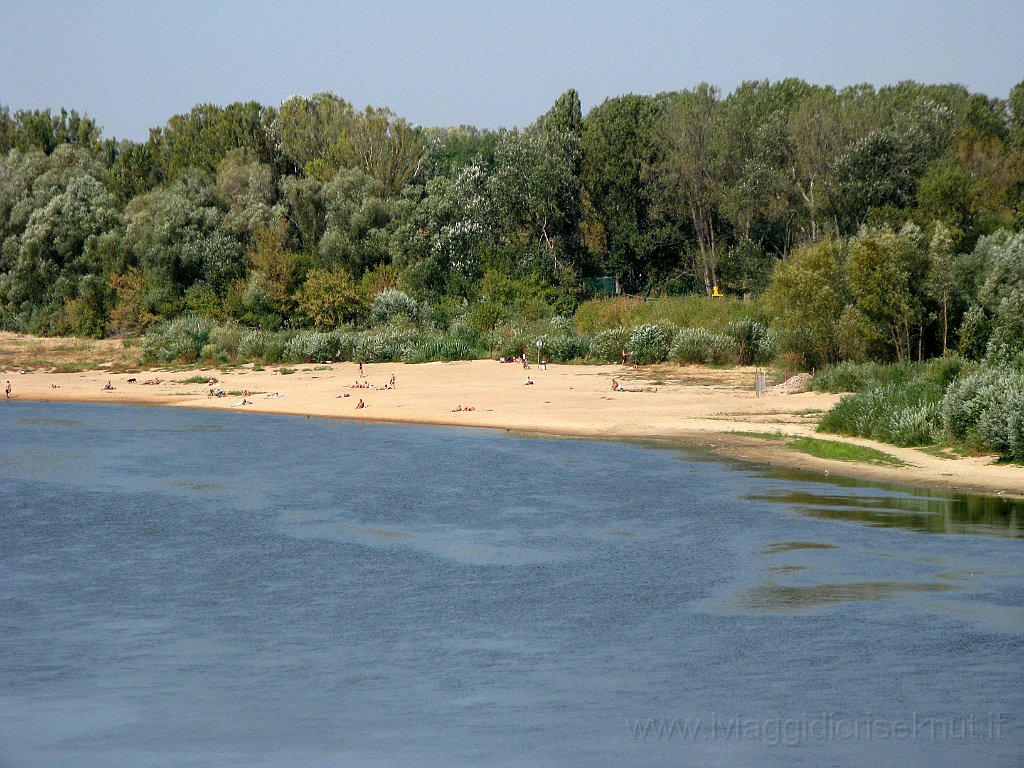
(243, 402)
(528, 382)
(275, 394)
(108, 385)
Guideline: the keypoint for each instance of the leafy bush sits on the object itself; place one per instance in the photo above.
(649, 343)
(446, 348)
(563, 348)
(847, 377)
(754, 343)
(699, 345)
(387, 344)
(607, 345)
(985, 409)
(562, 326)
(597, 315)
(311, 345)
(694, 311)
(223, 344)
(901, 413)
(252, 344)
(392, 306)
(179, 340)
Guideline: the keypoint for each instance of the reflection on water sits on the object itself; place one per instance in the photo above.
(912, 509)
(778, 596)
(792, 546)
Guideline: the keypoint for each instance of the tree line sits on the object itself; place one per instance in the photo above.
(869, 219)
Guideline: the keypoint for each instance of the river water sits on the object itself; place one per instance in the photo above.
(183, 588)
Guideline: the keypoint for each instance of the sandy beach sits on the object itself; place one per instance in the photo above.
(711, 408)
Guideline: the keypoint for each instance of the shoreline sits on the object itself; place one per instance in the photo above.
(714, 410)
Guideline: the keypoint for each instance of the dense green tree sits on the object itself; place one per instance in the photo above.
(204, 136)
(133, 173)
(308, 127)
(247, 189)
(329, 298)
(535, 191)
(886, 273)
(618, 146)
(382, 145)
(178, 237)
(940, 282)
(55, 281)
(807, 298)
(41, 130)
(685, 173)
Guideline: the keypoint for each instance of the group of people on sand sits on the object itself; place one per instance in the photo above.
(458, 408)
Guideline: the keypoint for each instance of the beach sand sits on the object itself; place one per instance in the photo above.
(710, 408)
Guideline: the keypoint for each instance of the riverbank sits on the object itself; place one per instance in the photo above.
(711, 408)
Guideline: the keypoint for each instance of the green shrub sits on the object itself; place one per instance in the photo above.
(387, 344)
(607, 345)
(252, 344)
(179, 340)
(699, 345)
(901, 413)
(392, 306)
(694, 311)
(597, 315)
(649, 343)
(985, 409)
(312, 345)
(847, 377)
(754, 343)
(564, 348)
(444, 348)
(223, 343)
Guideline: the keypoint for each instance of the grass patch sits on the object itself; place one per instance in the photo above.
(839, 451)
(939, 452)
(763, 435)
(194, 380)
(72, 367)
(285, 371)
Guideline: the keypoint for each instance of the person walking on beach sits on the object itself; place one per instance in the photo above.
(7, 391)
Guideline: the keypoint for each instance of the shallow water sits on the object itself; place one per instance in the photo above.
(216, 589)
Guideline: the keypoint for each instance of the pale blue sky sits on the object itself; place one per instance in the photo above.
(132, 64)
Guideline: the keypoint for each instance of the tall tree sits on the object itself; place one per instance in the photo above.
(686, 170)
(618, 146)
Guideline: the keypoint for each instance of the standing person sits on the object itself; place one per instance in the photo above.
(7, 391)
(361, 370)
(392, 382)
(625, 356)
